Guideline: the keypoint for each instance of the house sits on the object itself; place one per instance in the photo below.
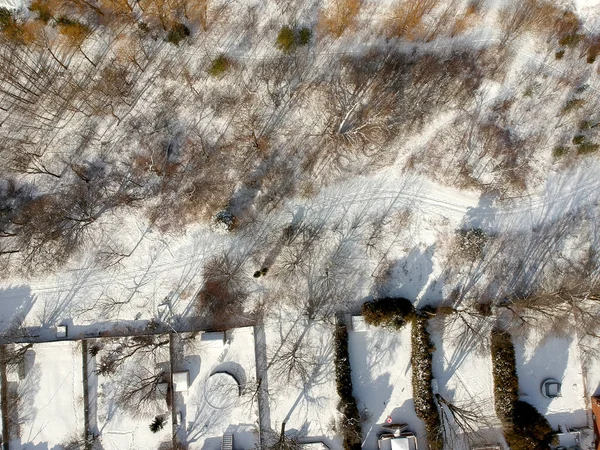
(596, 419)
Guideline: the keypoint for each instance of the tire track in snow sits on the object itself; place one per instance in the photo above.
(561, 194)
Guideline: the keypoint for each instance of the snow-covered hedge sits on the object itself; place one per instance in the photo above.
(350, 424)
(388, 312)
(504, 369)
(425, 406)
(524, 427)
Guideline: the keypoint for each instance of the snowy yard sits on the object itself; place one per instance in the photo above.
(302, 379)
(51, 409)
(123, 426)
(382, 380)
(462, 366)
(540, 358)
(222, 383)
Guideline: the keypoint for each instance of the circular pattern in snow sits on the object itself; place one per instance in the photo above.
(221, 390)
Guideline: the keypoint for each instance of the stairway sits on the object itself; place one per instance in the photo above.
(227, 442)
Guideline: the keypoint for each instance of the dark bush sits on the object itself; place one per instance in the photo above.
(422, 376)
(157, 424)
(177, 33)
(388, 312)
(304, 36)
(530, 430)
(570, 40)
(351, 426)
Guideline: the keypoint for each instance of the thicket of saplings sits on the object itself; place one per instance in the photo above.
(524, 427)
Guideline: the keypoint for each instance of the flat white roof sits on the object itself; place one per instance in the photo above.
(399, 443)
(181, 381)
(359, 324)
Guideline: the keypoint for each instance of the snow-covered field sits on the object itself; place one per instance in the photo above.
(348, 179)
(382, 380)
(303, 396)
(222, 394)
(52, 411)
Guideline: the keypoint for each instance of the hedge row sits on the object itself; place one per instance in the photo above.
(425, 406)
(524, 427)
(388, 312)
(351, 426)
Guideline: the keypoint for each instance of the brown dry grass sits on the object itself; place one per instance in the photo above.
(338, 17)
(407, 20)
(468, 19)
(535, 16)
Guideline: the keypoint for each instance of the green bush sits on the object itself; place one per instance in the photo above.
(422, 376)
(6, 18)
(579, 139)
(219, 66)
(560, 150)
(304, 36)
(177, 33)
(351, 426)
(388, 312)
(559, 54)
(587, 147)
(289, 38)
(286, 41)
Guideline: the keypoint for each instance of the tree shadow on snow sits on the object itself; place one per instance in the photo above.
(16, 303)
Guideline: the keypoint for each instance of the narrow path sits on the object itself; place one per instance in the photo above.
(4, 399)
(37, 335)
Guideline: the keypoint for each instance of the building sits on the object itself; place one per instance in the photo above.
(596, 419)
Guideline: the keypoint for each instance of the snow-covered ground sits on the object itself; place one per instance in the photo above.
(222, 393)
(382, 380)
(51, 411)
(541, 357)
(304, 399)
(168, 268)
(462, 366)
(119, 427)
